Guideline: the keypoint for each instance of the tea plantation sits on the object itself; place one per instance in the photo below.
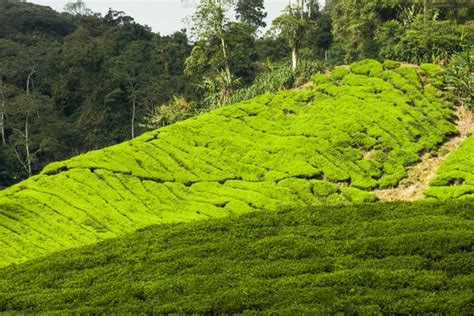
(390, 258)
(356, 129)
(455, 177)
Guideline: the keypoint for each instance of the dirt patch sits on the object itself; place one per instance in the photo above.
(418, 176)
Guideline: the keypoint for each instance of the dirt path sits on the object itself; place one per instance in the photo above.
(418, 176)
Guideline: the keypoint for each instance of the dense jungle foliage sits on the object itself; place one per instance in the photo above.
(396, 258)
(75, 81)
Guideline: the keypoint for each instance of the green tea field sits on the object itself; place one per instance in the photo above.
(237, 157)
(354, 130)
(372, 259)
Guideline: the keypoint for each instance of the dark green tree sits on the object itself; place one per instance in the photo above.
(251, 12)
(294, 24)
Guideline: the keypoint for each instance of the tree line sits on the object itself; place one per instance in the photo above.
(75, 81)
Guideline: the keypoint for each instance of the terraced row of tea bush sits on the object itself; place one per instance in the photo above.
(455, 177)
(389, 258)
(356, 129)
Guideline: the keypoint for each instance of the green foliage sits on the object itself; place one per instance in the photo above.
(18, 18)
(396, 258)
(368, 67)
(410, 31)
(324, 144)
(354, 195)
(390, 64)
(224, 55)
(277, 77)
(423, 41)
(177, 110)
(459, 78)
(339, 72)
(86, 81)
(303, 26)
(435, 74)
(455, 177)
(251, 12)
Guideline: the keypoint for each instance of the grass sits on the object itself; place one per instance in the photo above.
(354, 130)
(455, 177)
(384, 258)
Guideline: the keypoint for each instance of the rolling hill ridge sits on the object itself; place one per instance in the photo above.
(355, 130)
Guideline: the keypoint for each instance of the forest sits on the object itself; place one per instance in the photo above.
(78, 80)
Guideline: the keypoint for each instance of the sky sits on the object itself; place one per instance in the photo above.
(163, 16)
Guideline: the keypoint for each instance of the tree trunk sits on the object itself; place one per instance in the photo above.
(2, 123)
(27, 136)
(28, 80)
(27, 147)
(302, 9)
(225, 55)
(134, 103)
(425, 10)
(2, 113)
(294, 58)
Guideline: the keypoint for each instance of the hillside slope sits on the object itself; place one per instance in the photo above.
(357, 129)
(419, 176)
(455, 177)
(389, 258)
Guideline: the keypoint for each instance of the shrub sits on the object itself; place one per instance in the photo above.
(367, 67)
(390, 64)
(459, 78)
(435, 74)
(278, 77)
(166, 114)
(339, 72)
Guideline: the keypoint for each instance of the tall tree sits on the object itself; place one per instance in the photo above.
(77, 8)
(210, 22)
(294, 23)
(130, 70)
(251, 12)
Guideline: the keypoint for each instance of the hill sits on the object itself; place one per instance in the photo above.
(355, 130)
(390, 258)
(455, 177)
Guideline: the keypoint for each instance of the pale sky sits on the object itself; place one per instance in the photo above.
(163, 16)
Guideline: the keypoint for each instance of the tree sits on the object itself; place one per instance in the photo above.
(423, 41)
(20, 19)
(130, 70)
(251, 12)
(210, 22)
(293, 25)
(77, 8)
(8, 63)
(21, 136)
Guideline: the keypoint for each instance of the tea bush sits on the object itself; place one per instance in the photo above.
(387, 258)
(455, 177)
